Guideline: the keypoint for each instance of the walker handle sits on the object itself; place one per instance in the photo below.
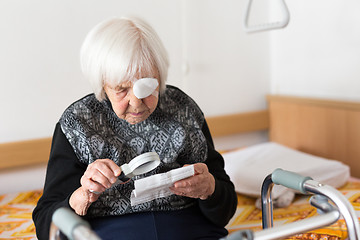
(72, 225)
(289, 179)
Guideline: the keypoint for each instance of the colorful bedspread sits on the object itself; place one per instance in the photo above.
(15, 215)
(248, 216)
(16, 209)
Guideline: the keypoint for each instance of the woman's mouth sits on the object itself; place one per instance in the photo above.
(136, 114)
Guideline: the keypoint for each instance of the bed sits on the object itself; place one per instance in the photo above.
(326, 128)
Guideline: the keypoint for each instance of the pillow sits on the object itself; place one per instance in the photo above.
(249, 167)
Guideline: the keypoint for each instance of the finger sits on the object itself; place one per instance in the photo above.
(105, 181)
(108, 167)
(187, 192)
(91, 185)
(188, 182)
(178, 192)
(99, 173)
(200, 168)
(198, 186)
(93, 174)
(179, 184)
(113, 167)
(103, 174)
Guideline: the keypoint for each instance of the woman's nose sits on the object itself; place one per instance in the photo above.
(134, 101)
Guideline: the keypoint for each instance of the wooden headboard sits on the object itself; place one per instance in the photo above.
(326, 128)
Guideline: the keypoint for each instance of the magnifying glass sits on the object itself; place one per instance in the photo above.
(139, 165)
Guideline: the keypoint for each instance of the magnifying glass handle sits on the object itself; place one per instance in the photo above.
(123, 177)
(125, 173)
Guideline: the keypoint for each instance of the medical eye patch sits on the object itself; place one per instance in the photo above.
(144, 87)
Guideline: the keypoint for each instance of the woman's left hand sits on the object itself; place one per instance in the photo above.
(201, 185)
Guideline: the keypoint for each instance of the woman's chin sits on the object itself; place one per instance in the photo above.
(135, 120)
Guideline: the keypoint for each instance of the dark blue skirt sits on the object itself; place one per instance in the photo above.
(186, 224)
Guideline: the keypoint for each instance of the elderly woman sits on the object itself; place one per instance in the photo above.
(132, 112)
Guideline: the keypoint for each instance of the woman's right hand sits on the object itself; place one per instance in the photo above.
(99, 176)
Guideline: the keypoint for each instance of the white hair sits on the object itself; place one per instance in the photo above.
(118, 49)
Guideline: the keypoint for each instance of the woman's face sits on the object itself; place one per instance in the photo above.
(127, 106)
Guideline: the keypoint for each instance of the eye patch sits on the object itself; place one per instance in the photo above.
(144, 87)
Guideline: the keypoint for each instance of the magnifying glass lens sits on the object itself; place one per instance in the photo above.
(139, 165)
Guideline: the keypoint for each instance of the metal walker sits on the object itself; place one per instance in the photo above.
(329, 213)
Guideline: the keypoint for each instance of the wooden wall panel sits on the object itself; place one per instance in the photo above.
(238, 123)
(329, 129)
(24, 153)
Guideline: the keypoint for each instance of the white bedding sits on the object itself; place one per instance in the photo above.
(248, 167)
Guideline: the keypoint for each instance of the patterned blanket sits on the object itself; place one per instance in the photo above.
(16, 209)
(15, 215)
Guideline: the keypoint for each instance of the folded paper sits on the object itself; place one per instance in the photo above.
(157, 186)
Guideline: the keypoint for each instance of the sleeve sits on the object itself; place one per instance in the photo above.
(221, 205)
(62, 179)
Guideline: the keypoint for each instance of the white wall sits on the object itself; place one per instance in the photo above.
(40, 42)
(212, 59)
(224, 69)
(318, 54)
(228, 71)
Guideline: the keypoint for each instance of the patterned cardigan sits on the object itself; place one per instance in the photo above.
(90, 130)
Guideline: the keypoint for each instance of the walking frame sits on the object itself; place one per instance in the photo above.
(329, 213)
